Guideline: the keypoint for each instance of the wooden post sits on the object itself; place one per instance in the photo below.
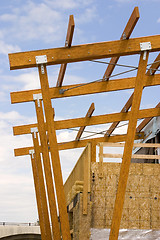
(40, 190)
(93, 151)
(124, 172)
(100, 160)
(54, 153)
(47, 170)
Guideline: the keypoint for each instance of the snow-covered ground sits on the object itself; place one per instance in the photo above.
(125, 234)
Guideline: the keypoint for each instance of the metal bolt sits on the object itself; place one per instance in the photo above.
(29, 60)
(109, 50)
(68, 55)
(52, 57)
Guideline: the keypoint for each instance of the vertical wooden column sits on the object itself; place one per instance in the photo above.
(40, 191)
(54, 153)
(101, 160)
(93, 151)
(124, 172)
(47, 170)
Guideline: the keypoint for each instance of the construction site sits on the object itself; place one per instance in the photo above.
(101, 198)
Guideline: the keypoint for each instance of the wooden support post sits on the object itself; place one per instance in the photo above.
(68, 43)
(47, 170)
(88, 115)
(124, 172)
(125, 35)
(145, 121)
(86, 189)
(40, 190)
(101, 160)
(93, 151)
(54, 153)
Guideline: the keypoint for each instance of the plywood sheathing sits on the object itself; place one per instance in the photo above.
(142, 199)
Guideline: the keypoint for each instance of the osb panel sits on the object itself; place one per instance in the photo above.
(142, 201)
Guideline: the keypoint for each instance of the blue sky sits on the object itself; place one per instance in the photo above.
(29, 25)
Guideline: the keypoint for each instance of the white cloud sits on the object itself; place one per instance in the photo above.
(87, 16)
(68, 4)
(8, 48)
(158, 20)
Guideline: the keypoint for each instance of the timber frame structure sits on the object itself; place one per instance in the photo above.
(45, 131)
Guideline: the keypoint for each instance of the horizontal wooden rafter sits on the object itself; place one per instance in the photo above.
(137, 156)
(94, 120)
(125, 35)
(141, 145)
(97, 87)
(68, 43)
(81, 143)
(89, 114)
(83, 52)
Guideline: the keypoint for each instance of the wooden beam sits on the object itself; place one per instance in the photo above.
(95, 120)
(40, 190)
(68, 43)
(155, 65)
(141, 145)
(54, 153)
(127, 154)
(135, 156)
(145, 121)
(88, 115)
(125, 35)
(47, 171)
(83, 52)
(97, 87)
(79, 144)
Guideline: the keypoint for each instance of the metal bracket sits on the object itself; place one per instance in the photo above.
(145, 46)
(124, 36)
(37, 97)
(40, 60)
(31, 152)
(34, 130)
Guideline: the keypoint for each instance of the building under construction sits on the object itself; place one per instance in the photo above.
(97, 194)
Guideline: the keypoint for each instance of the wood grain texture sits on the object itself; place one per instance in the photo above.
(95, 120)
(80, 144)
(98, 87)
(142, 145)
(83, 52)
(54, 154)
(88, 115)
(135, 156)
(47, 171)
(125, 35)
(40, 191)
(124, 172)
(68, 43)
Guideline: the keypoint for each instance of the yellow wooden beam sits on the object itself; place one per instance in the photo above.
(47, 171)
(124, 171)
(125, 35)
(83, 52)
(97, 87)
(141, 145)
(95, 120)
(135, 156)
(54, 153)
(79, 144)
(88, 115)
(68, 43)
(40, 190)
